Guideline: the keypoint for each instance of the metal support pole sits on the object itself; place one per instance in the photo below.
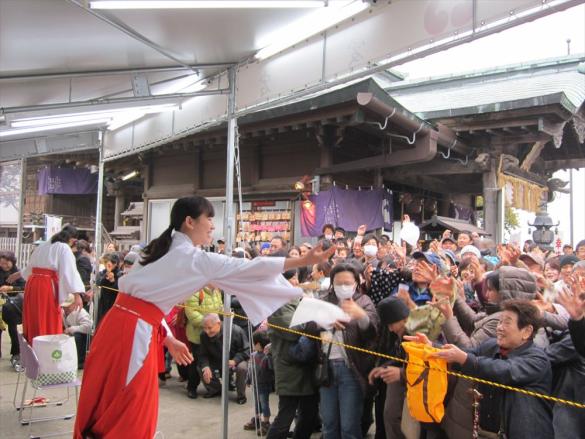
(228, 229)
(98, 220)
(571, 208)
(20, 225)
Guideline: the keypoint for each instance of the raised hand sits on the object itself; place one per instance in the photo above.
(443, 287)
(573, 303)
(425, 272)
(451, 354)
(418, 338)
(442, 305)
(361, 231)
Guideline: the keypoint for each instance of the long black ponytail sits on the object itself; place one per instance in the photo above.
(67, 233)
(188, 206)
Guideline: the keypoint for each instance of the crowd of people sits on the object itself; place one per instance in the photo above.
(500, 313)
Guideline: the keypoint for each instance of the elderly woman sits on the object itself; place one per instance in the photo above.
(505, 283)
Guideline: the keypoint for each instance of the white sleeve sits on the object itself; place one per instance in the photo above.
(167, 327)
(84, 322)
(69, 278)
(258, 284)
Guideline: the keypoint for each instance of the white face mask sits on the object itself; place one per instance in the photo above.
(329, 237)
(370, 250)
(344, 292)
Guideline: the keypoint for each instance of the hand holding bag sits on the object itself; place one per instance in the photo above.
(323, 375)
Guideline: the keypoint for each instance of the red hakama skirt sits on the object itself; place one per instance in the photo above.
(41, 314)
(119, 393)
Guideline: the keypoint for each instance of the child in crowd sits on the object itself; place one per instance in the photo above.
(264, 383)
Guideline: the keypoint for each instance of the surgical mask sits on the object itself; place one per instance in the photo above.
(329, 237)
(370, 250)
(344, 292)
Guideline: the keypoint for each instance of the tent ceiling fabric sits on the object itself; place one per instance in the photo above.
(48, 36)
(60, 36)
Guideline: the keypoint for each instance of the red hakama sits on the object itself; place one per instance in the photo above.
(41, 313)
(119, 394)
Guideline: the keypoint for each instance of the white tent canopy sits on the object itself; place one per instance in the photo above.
(61, 58)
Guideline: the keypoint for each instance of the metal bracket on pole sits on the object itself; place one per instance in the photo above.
(228, 228)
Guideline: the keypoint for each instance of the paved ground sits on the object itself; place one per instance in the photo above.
(179, 417)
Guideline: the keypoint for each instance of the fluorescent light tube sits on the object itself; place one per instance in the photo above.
(206, 4)
(37, 129)
(130, 175)
(87, 115)
(311, 25)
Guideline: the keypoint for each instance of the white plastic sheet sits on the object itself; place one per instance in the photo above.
(323, 313)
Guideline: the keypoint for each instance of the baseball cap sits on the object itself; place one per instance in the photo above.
(568, 260)
(431, 258)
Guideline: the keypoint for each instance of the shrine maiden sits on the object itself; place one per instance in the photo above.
(119, 395)
(51, 275)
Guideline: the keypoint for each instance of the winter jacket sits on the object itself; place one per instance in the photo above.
(210, 353)
(108, 294)
(577, 330)
(514, 282)
(519, 416)
(18, 283)
(202, 302)
(568, 383)
(291, 378)
(353, 335)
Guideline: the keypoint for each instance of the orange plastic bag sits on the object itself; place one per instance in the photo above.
(426, 383)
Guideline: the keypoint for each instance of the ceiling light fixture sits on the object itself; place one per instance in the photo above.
(206, 4)
(37, 129)
(130, 175)
(311, 25)
(87, 115)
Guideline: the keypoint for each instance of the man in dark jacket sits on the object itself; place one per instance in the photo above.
(568, 383)
(210, 355)
(295, 387)
(511, 359)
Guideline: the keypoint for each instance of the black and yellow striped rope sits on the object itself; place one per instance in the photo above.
(389, 357)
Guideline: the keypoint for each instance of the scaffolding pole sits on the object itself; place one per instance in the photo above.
(228, 225)
(98, 223)
(20, 225)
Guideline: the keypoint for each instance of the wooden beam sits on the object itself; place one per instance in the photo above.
(555, 130)
(437, 167)
(425, 149)
(495, 124)
(554, 165)
(532, 156)
(526, 138)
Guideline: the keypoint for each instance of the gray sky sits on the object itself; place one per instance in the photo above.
(540, 39)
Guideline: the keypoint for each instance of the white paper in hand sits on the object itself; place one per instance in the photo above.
(323, 313)
(410, 233)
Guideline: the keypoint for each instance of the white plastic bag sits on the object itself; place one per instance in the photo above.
(57, 359)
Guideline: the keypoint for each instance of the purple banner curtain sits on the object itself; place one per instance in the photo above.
(343, 208)
(67, 181)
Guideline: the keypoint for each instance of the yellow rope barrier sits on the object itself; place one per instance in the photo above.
(390, 357)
